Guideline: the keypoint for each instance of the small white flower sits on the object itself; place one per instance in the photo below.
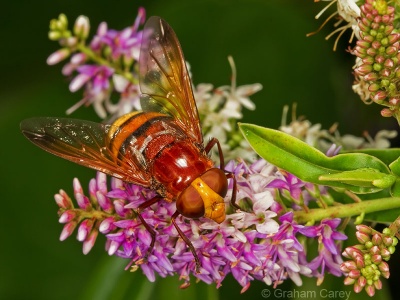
(220, 108)
(218, 125)
(98, 100)
(323, 139)
(129, 97)
(302, 128)
(244, 151)
(266, 224)
(349, 12)
(314, 134)
(202, 94)
(120, 83)
(261, 217)
(349, 141)
(381, 139)
(238, 96)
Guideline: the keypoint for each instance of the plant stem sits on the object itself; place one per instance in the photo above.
(347, 210)
(96, 214)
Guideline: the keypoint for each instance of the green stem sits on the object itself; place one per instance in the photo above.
(93, 213)
(347, 210)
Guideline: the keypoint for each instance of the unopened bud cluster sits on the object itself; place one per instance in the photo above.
(68, 39)
(59, 29)
(378, 50)
(93, 214)
(367, 260)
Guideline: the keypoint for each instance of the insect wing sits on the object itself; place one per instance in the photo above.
(84, 143)
(164, 79)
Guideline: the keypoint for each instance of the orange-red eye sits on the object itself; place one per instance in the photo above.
(216, 180)
(191, 201)
(190, 204)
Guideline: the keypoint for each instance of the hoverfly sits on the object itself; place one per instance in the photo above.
(160, 148)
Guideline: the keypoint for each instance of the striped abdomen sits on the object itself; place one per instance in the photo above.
(153, 141)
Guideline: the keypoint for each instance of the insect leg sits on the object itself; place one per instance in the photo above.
(211, 144)
(187, 241)
(234, 190)
(152, 232)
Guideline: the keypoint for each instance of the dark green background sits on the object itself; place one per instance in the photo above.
(267, 40)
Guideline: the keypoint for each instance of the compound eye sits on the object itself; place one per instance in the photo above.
(210, 188)
(190, 204)
(217, 181)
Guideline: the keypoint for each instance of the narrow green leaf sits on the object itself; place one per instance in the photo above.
(385, 155)
(385, 216)
(306, 162)
(111, 281)
(395, 191)
(168, 288)
(362, 177)
(395, 166)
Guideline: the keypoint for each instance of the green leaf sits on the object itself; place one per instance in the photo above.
(306, 162)
(111, 281)
(395, 191)
(384, 217)
(385, 155)
(362, 177)
(395, 166)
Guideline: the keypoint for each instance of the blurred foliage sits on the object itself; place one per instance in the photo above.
(267, 39)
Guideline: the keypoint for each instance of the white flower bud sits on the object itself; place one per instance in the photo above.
(82, 27)
(58, 56)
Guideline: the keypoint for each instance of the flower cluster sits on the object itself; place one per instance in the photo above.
(104, 66)
(347, 11)
(367, 261)
(324, 139)
(220, 109)
(374, 23)
(329, 252)
(378, 55)
(250, 243)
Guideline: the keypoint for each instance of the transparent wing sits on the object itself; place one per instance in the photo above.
(164, 79)
(84, 143)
